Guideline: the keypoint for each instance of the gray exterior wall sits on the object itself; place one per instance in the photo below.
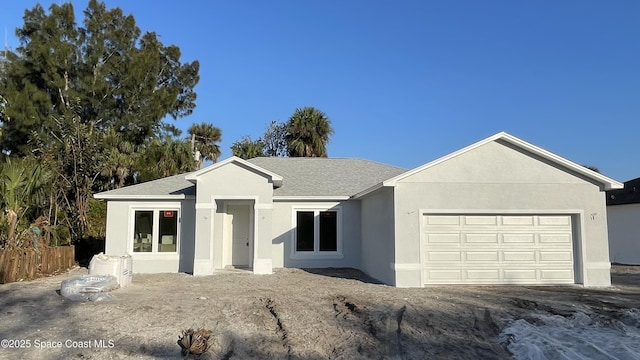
(231, 182)
(283, 235)
(119, 236)
(378, 232)
(624, 233)
(498, 178)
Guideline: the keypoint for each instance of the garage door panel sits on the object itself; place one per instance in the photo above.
(498, 249)
(483, 275)
(518, 238)
(519, 256)
(555, 220)
(530, 275)
(555, 238)
(489, 256)
(481, 239)
(553, 256)
(481, 220)
(443, 220)
(447, 276)
(517, 220)
(556, 274)
(443, 238)
(439, 256)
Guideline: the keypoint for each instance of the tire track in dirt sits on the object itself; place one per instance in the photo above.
(399, 316)
(377, 332)
(345, 310)
(280, 329)
(360, 329)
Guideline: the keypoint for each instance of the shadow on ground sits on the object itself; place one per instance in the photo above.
(344, 273)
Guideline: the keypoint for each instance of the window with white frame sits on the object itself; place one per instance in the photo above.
(155, 231)
(317, 231)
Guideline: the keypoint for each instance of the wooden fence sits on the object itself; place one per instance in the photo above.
(25, 264)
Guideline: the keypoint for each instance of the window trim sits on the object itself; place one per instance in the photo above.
(316, 253)
(155, 228)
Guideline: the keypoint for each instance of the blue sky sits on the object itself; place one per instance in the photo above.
(405, 82)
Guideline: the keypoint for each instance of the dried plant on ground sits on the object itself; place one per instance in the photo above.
(194, 342)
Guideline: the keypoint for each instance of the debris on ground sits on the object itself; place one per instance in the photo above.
(194, 342)
(89, 287)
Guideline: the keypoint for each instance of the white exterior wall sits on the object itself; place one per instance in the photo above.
(378, 232)
(231, 182)
(624, 233)
(283, 235)
(495, 178)
(119, 236)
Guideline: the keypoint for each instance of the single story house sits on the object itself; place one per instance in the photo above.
(500, 211)
(623, 217)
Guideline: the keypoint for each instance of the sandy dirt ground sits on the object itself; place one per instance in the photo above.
(291, 314)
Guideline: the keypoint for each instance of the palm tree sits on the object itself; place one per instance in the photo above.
(308, 132)
(22, 185)
(164, 157)
(203, 139)
(120, 158)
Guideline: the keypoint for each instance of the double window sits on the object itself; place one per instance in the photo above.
(317, 231)
(155, 231)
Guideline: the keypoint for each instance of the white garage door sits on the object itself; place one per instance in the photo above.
(497, 249)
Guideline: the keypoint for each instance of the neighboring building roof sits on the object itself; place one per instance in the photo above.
(630, 194)
(166, 188)
(325, 177)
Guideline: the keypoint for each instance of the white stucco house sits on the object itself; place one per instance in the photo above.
(500, 211)
(623, 209)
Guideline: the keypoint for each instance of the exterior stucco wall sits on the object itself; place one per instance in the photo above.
(378, 235)
(231, 182)
(624, 233)
(117, 231)
(495, 178)
(119, 236)
(283, 228)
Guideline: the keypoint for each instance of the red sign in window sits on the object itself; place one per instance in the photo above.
(168, 213)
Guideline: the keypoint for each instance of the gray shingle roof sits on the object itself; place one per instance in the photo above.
(172, 185)
(301, 177)
(325, 176)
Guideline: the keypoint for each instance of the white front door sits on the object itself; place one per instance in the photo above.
(240, 234)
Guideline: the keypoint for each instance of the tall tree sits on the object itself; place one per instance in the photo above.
(3, 104)
(308, 132)
(247, 148)
(204, 139)
(164, 157)
(78, 156)
(119, 77)
(275, 139)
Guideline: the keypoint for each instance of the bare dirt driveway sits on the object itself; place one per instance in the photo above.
(297, 314)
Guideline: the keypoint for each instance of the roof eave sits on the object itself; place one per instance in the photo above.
(366, 192)
(142, 197)
(312, 198)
